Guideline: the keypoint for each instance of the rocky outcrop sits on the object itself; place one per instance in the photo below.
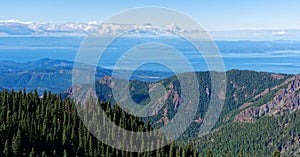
(164, 118)
(173, 95)
(199, 120)
(278, 76)
(286, 100)
(245, 105)
(207, 91)
(108, 81)
(266, 91)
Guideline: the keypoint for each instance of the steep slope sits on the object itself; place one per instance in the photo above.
(269, 101)
(268, 121)
(285, 100)
(242, 86)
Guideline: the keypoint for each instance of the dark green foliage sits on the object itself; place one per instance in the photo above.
(6, 149)
(31, 126)
(32, 153)
(139, 91)
(260, 138)
(16, 144)
(276, 153)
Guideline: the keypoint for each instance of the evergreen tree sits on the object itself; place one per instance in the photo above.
(44, 154)
(209, 154)
(32, 153)
(6, 149)
(16, 144)
(240, 154)
(65, 153)
(276, 153)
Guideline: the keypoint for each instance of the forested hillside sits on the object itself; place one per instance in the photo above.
(255, 139)
(50, 126)
(242, 86)
(31, 126)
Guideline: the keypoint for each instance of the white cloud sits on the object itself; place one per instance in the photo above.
(257, 34)
(280, 33)
(3, 34)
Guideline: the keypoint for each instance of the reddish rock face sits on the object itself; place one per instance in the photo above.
(108, 81)
(278, 76)
(285, 100)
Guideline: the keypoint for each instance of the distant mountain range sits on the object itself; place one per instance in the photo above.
(18, 28)
(54, 75)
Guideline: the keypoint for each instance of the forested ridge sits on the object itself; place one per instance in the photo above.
(50, 126)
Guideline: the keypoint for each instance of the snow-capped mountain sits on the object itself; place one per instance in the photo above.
(21, 28)
(16, 28)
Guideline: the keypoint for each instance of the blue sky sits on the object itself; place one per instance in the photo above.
(211, 14)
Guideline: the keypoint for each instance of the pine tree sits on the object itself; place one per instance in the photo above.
(64, 138)
(276, 153)
(171, 150)
(240, 154)
(65, 153)
(44, 154)
(16, 143)
(32, 153)
(6, 149)
(229, 154)
(91, 151)
(209, 154)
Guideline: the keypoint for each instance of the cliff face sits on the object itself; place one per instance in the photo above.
(287, 99)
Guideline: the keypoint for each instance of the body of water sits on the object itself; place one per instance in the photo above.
(284, 59)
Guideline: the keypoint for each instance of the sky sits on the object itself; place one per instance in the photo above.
(211, 14)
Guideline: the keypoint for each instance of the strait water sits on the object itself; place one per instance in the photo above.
(268, 56)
